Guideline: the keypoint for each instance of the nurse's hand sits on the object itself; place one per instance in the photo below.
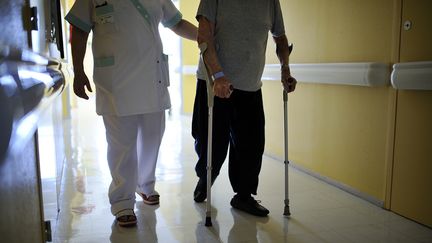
(222, 87)
(81, 82)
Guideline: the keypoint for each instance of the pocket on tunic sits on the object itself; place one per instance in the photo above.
(103, 73)
(105, 20)
(165, 70)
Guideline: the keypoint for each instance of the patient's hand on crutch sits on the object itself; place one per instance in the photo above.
(222, 87)
(289, 82)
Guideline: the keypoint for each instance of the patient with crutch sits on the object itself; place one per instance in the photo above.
(233, 60)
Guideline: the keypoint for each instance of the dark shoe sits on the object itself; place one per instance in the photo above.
(200, 192)
(249, 205)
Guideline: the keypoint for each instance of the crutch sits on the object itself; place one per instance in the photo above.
(286, 161)
(210, 98)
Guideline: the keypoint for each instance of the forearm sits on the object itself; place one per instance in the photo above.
(282, 50)
(186, 30)
(79, 46)
(206, 35)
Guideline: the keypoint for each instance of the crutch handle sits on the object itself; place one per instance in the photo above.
(290, 47)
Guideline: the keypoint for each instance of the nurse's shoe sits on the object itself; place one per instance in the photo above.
(126, 218)
(150, 200)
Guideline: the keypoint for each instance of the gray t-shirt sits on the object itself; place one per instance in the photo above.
(241, 33)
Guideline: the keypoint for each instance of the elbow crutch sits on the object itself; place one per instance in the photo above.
(286, 161)
(210, 99)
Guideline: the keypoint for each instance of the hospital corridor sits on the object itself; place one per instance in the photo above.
(320, 212)
(348, 152)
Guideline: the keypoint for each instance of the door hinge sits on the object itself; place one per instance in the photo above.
(48, 233)
(33, 18)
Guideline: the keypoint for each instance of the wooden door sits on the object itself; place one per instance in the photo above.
(411, 194)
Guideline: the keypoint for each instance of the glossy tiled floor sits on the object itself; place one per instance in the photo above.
(320, 212)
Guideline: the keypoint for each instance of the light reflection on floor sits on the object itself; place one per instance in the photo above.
(320, 213)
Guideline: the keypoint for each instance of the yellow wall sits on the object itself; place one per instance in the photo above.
(340, 132)
(190, 55)
(188, 93)
(336, 131)
(338, 30)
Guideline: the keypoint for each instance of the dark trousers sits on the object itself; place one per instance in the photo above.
(239, 122)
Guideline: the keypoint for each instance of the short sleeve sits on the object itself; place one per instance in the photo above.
(171, 15)
(207, 9)
(80, 15)
(278, 28)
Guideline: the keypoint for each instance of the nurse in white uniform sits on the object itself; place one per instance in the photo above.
(131, 79)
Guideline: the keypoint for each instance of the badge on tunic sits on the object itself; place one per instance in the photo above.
(104, 13)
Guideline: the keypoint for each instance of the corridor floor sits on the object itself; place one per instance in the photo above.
(320, 212)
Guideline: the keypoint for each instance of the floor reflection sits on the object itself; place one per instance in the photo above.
(320, 213)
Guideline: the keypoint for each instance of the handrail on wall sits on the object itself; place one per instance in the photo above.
(370, 74)
(409, 75)
(412, 76)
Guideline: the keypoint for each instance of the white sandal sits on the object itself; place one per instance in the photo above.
(126, 218)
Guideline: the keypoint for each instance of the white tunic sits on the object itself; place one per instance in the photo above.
(130, 69)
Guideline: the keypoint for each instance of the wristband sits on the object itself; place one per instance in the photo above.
(217, 75)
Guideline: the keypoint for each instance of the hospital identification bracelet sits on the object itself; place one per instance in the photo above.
(217, 75)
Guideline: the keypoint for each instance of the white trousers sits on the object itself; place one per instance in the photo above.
(133, 147)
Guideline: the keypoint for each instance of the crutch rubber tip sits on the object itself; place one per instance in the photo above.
(208, 222)
(286, 211)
